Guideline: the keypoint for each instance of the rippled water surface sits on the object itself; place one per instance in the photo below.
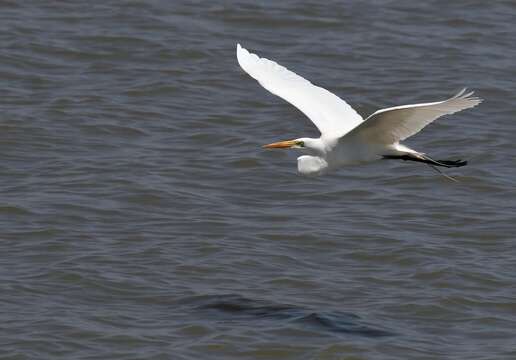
(140, 219)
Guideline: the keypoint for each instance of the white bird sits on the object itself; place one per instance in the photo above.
(346, 138)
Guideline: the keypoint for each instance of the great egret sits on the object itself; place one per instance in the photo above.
(346, 138)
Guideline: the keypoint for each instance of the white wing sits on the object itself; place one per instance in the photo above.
(332, 115)
(391, 125)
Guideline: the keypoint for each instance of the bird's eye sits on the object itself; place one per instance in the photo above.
(301, 143)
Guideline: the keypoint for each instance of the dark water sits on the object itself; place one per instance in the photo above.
(140, 219)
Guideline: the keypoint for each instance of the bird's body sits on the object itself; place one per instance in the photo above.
(332, 153)
(346, 138)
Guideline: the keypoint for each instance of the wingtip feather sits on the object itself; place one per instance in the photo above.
(239, 49)
(243, 57)
(459, 94)
(468, 97)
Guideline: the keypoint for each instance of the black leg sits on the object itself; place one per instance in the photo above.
(427, 160)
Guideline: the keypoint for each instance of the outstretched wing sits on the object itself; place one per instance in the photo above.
(332, 115)
(391, 125)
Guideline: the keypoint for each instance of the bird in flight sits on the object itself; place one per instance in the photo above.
(346, 138)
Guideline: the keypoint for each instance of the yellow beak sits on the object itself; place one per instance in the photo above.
(281, 145)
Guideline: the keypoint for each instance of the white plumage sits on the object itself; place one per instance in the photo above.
(325, 109)
(400, 122)
(345, 137)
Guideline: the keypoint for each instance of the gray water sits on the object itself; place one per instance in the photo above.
(140, 218)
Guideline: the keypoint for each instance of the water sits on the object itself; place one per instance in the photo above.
(140, 219)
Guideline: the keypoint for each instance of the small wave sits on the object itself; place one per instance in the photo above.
(341, 323)
(240, 308)
(14, 210)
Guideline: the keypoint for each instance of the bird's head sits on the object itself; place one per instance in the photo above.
(308, 144)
